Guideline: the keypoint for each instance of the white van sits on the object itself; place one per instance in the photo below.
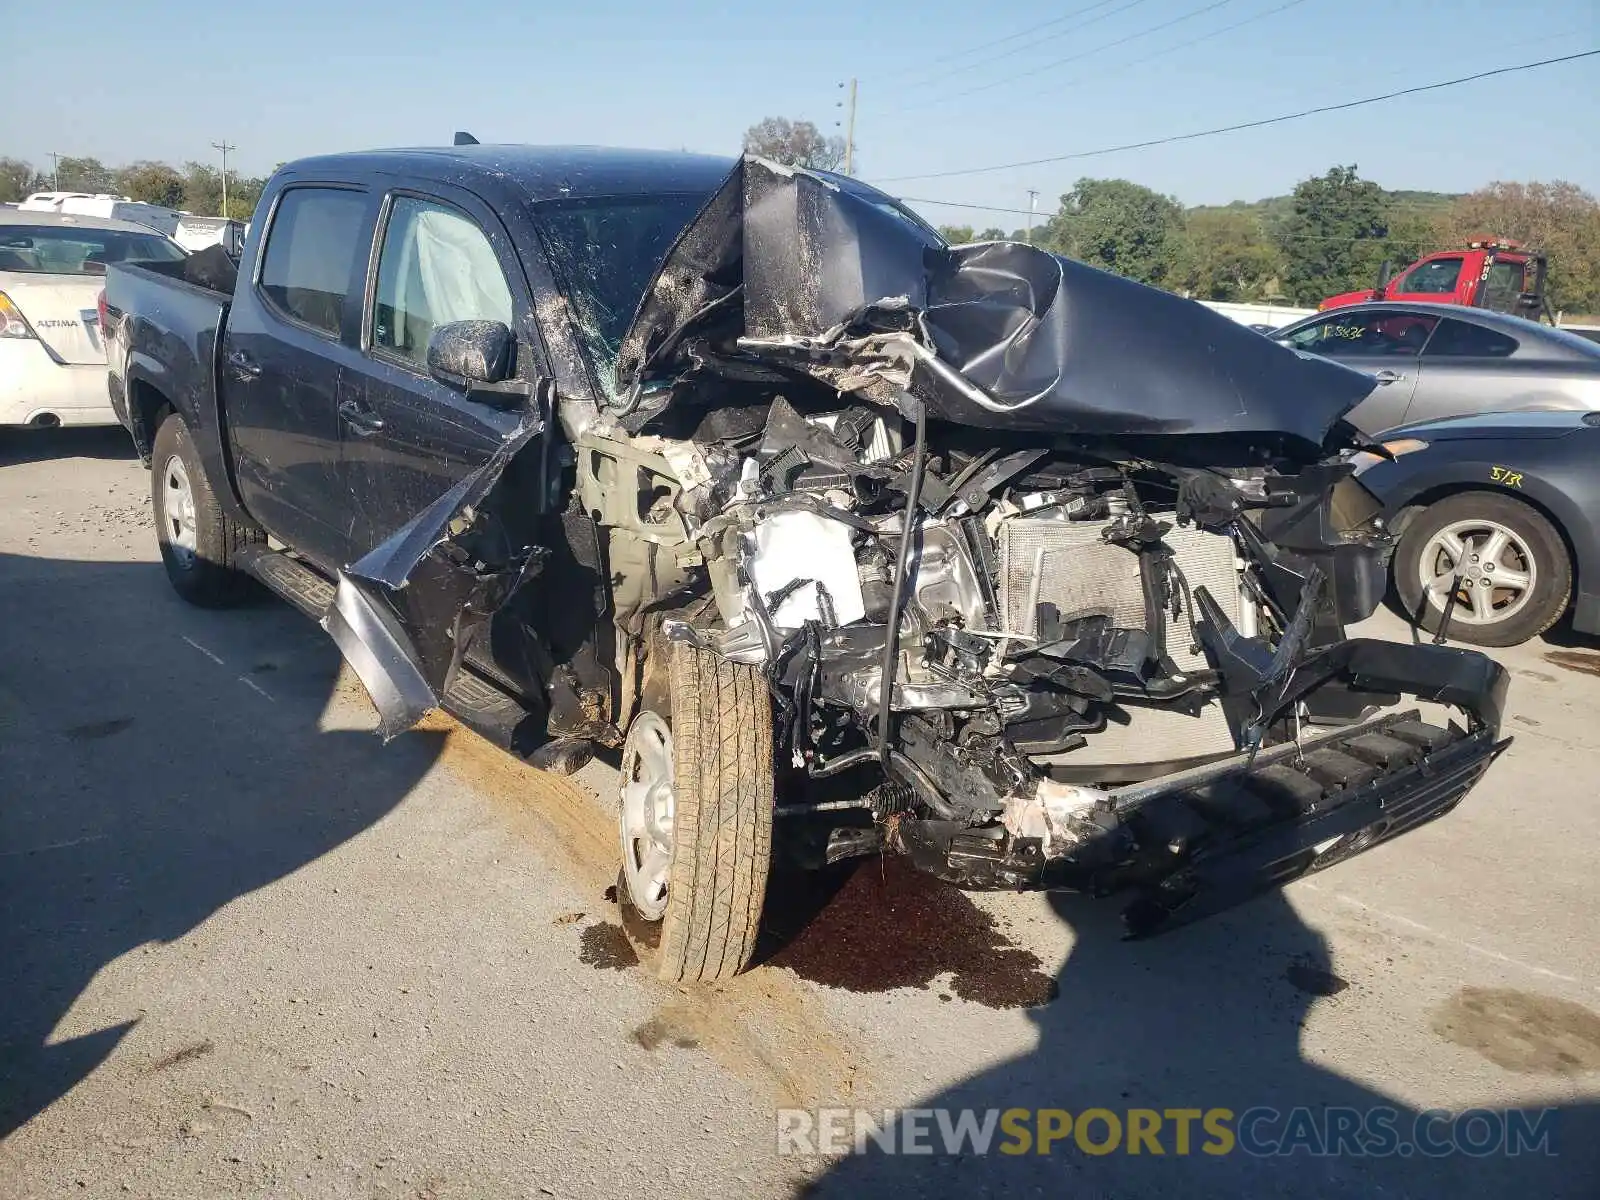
(116, 208)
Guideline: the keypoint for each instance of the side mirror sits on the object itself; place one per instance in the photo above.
(463, 354)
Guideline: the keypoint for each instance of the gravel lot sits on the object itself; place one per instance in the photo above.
(249, 951)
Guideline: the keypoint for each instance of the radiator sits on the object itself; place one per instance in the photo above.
(1083, 575)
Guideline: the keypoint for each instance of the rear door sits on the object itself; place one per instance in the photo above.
(1385, 343)
(406, 438)
(293, 332)
(1469, 368)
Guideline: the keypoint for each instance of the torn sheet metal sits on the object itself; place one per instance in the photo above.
(826, 276)
(404, 614)
(378, 651)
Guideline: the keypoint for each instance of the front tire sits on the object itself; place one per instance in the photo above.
(705, 880)
(1515, 572)
(198, 541)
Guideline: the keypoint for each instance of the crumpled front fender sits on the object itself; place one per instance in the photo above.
(404, 613)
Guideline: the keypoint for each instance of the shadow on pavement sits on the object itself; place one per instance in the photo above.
(144, 785)
(88, 441)
(1206, 1017)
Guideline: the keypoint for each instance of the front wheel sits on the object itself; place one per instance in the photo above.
(1505, 561)
(696, 815)
(198, 540)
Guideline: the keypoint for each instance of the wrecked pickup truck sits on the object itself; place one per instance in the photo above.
(975, 554)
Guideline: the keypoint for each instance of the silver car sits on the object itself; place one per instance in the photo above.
(1443, 360)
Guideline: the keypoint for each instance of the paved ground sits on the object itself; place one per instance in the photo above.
(249, 951)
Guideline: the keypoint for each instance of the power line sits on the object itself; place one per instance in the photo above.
(1080, 55)
(1190, 44)
(1162, 53)
(1271, 12)
(941, 76)
(1001, 41)
(1295, 116)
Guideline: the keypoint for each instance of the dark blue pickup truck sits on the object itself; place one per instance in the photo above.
(850, 540)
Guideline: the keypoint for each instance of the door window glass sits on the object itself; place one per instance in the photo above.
(311, 254)
(1437, 277)
(437, 266)
(1365, 335)
(1462, 339)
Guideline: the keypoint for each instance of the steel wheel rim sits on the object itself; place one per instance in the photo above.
(177, 511)
(1498, 571)
(646, 812)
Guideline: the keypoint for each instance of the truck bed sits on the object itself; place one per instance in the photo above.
(164, 327)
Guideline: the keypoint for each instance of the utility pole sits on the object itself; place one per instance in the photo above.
(850, 131)
(225, 147)
(1033, 203)
(55, 171)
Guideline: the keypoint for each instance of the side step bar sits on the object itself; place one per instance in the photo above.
(289, 579)
(474, 699)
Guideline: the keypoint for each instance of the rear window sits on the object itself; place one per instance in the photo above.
(76, 250)
(311, 254)
(1503, 288)
(605, 252)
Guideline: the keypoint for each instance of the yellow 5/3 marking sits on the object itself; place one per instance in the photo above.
(1506, 476)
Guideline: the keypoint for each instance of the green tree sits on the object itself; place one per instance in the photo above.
(794, 143)
(1559, 218)
(202, 189)
(16, 180)
(151, 182)
(85, 175)
(1119, 226)
(1224, 255)
(992, 234)
(244, 193)
(1335, 236)
(957, 235)
(1412, 233)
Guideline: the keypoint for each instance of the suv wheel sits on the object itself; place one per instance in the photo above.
(696, 815)
(1514, 570)
(198, 541)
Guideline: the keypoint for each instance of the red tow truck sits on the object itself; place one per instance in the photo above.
(1494, 273)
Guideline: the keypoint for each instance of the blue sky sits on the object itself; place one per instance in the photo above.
(296, 77)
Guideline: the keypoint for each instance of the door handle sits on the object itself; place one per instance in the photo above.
(244, 366)
(361, 418)
(1387, 376)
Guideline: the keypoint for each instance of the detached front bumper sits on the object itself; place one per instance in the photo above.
(1202, 840)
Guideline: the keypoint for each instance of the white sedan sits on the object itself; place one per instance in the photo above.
(52, 361)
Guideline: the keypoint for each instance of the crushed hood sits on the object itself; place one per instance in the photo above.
(816, 273)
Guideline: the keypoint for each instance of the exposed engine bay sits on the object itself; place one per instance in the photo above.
(1063, 563)
(1065, 621)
